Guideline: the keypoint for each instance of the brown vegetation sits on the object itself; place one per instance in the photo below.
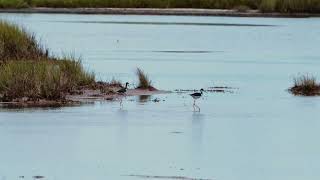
(305, 85)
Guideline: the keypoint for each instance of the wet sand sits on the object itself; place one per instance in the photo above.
(85, 96)
(155, 11)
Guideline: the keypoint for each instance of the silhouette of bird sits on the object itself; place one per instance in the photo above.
(196, 96)
(123, 91)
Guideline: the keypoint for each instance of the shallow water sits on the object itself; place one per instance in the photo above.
(258, 132)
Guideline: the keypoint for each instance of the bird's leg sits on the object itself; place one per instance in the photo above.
(121, 103)
(195, 106)
(198, 108)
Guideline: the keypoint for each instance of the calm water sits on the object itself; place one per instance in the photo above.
(258, 132)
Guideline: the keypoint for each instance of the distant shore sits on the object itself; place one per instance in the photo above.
(154, 11)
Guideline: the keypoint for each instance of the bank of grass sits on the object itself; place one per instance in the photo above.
(28, 72)
(289, 6)
(17, 44)
(283, 6)
(305, 85)
(46, 79)
(14, 4)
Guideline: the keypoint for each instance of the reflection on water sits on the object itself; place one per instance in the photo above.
(197, 131)
(196, 139)
(122, 131)
(17, 108)
(235, 136)
(144, 98)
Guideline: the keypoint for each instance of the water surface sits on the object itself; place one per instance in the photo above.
(258, 132)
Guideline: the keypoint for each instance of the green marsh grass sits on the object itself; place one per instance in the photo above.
(17, 44)
(290, 6)
(14, 4)
(27, 71)
(46, 79)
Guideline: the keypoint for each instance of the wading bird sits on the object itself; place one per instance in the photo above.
(122, 92)
(196, 96)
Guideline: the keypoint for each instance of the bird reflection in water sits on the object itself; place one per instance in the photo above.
(197, 126)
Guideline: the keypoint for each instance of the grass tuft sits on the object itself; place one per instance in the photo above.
(305, 85)
(144, 81)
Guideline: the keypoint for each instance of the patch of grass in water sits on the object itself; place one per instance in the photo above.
(305, 85)
(144, 81)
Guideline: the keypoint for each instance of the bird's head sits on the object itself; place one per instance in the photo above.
(201, 90)
(127, 84)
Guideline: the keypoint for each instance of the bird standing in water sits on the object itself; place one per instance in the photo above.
(122, 92)
(196, 96)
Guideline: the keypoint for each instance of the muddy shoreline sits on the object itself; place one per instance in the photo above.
(154, 11)
(86, 96)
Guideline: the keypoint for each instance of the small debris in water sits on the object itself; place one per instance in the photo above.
(176, 132)
(38, 177)
(21, 177)
(156, 100)
(166, 177)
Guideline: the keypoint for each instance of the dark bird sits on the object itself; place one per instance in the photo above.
(196, 96)
(123, 91)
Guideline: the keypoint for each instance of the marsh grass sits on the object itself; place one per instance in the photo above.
(115, 83)
(305, 85)
(46, 79)
(284, 6)
(143, 78)
(242, 8)
(221, 4)
(17, 44)
(108, 87)
(290, 6)
(14, 4)
(27, 71)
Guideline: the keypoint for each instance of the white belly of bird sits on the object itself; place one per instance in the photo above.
(196, 97)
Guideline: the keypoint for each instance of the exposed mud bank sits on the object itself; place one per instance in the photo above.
(85, 95)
